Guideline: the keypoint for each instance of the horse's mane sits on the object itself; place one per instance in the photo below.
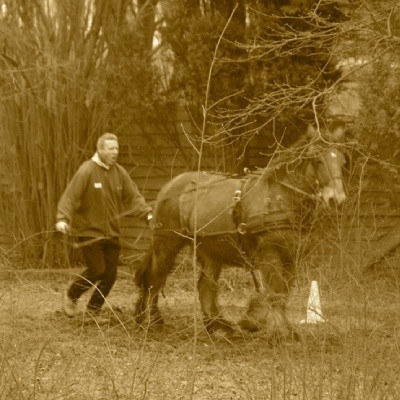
(282, 161)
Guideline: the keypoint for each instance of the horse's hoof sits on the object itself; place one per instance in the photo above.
(248, 325)
(221, 333)
(139, 318)
(144, 323)
(219, 327)
(294, 336)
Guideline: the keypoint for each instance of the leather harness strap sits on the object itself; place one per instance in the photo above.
(257, 223)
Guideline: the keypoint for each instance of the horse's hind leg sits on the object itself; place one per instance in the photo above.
(208, 296)
(152, 275)
(147, 298)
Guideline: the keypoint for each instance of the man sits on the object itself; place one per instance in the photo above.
(99, 193)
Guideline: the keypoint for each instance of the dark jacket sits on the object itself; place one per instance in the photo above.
(96, 198)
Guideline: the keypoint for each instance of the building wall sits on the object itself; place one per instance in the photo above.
(155, 151)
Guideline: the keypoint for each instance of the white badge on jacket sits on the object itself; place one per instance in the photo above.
(98, 185)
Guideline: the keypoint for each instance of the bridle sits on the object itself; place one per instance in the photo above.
(317, 192)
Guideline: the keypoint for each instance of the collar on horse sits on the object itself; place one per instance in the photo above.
(269, 219)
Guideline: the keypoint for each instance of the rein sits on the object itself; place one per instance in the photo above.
(297, 190)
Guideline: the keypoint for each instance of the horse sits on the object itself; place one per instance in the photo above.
(250, 221)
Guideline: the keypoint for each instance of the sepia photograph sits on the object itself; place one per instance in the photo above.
(199, 199)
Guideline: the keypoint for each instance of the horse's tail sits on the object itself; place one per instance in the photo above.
(141, 276)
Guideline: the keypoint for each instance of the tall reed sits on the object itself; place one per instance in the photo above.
(49, 119)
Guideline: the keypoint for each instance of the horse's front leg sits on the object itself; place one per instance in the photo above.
(268, 308)
(147, 304)
(208, 296)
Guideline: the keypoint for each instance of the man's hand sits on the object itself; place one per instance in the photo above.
(62, 226)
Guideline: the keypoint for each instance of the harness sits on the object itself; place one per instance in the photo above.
(267, 220)
(234, 211)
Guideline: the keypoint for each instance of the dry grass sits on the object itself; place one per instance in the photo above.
(46, 355)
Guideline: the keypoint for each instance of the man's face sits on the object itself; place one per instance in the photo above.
(108, 153)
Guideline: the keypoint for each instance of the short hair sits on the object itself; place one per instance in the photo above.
(104, 137)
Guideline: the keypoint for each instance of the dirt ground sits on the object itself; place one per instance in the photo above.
(46, 355)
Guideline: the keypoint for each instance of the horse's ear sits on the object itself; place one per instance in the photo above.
(334, 132)
(311, 132)
(337, 131)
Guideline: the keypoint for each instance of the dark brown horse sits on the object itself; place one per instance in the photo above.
(252, 221)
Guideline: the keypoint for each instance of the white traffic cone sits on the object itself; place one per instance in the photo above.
(314, 312)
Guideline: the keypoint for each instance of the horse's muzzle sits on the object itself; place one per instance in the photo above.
(331, 195)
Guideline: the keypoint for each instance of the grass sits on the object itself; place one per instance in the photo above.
(46, 355)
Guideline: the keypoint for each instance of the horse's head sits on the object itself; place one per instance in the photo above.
(326, 169)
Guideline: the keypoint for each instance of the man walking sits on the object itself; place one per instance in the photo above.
(100, 192)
